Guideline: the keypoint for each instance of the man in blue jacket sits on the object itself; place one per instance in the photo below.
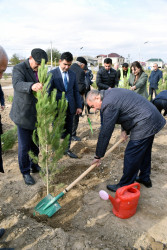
(139, 118)
(154, 78)
(64, 80)
(160, 101)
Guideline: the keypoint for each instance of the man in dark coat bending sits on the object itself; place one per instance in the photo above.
(139, 118)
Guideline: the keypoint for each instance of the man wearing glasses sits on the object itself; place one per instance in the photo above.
(23, 113)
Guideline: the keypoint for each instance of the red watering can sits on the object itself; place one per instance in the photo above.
(125, 201)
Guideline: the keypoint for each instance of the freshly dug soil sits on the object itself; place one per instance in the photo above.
(85, 221)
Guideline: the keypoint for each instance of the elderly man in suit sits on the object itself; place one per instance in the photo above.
(64, 80)
(23, 112)
(3, 66)
(139, 118)
(154, 78)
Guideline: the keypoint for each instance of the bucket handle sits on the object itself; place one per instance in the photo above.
(130, 186)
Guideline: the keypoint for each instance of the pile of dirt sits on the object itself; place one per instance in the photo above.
(84, 220)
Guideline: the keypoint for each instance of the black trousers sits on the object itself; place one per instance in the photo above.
(151, 91)
(137, 158)
(26, 144)
(160, 104)
(68, 126)
(76, 119)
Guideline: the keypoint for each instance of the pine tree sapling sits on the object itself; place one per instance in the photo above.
(49, 127)
(8, 139)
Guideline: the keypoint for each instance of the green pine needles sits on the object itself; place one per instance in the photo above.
(49, 128)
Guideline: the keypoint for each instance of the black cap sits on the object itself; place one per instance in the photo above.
(82, 60)
(38, 55)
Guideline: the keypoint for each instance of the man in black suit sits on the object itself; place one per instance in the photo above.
(78, 69)
(64, 80)
(23, 112)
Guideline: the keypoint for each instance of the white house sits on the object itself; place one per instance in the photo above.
(150, 62)
(116, 58)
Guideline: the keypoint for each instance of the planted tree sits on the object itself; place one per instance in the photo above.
(49, 128)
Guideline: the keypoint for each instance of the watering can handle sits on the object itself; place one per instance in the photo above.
(130, 186)
(91, 167)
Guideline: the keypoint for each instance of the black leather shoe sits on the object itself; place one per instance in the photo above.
(2, 231)
(35, 169)
(113, 188)
(71, 154)
(28, 179)
(147, 184)
(75, 138)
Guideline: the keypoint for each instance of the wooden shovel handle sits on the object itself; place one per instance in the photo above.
(91, 167)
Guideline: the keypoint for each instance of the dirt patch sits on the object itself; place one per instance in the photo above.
(84, 220)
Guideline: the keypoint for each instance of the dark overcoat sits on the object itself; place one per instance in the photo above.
(23, 112)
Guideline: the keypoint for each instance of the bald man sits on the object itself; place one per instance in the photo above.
(3, 66)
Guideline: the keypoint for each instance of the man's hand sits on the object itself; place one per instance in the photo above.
(36, 86)
(124, 135)
(133, 88)
(2, 108)
(96, 161)
(78, 111)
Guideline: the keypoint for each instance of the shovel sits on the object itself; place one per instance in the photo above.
(86, 111)
(49, 204)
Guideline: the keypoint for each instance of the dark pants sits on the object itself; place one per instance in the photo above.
(160, 104)
(151, 91)
(137, 157)
(76, 119)
(68, 126)
(26, 144)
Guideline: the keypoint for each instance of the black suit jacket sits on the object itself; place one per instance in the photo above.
(23, 112)
(80, 77)
(72, 93)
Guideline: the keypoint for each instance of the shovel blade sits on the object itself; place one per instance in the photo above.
(41, 206)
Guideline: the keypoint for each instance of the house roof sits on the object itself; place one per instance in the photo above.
(155, 60)
(110, 55)
(114, 55)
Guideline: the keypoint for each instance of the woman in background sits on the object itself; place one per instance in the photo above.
(138, 79)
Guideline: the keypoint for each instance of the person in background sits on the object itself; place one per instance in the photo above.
(106, 78)
(77, 68)
(23, 112)
(116, 66)
(123, 73)
(88, 82)
(139, 118)
(3, 66)
(64, 80)
(138, 79)
(154, 78)
(160, 101)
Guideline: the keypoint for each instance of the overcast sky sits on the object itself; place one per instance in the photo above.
(127, 27)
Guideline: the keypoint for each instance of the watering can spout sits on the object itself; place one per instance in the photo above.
(115, 202)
